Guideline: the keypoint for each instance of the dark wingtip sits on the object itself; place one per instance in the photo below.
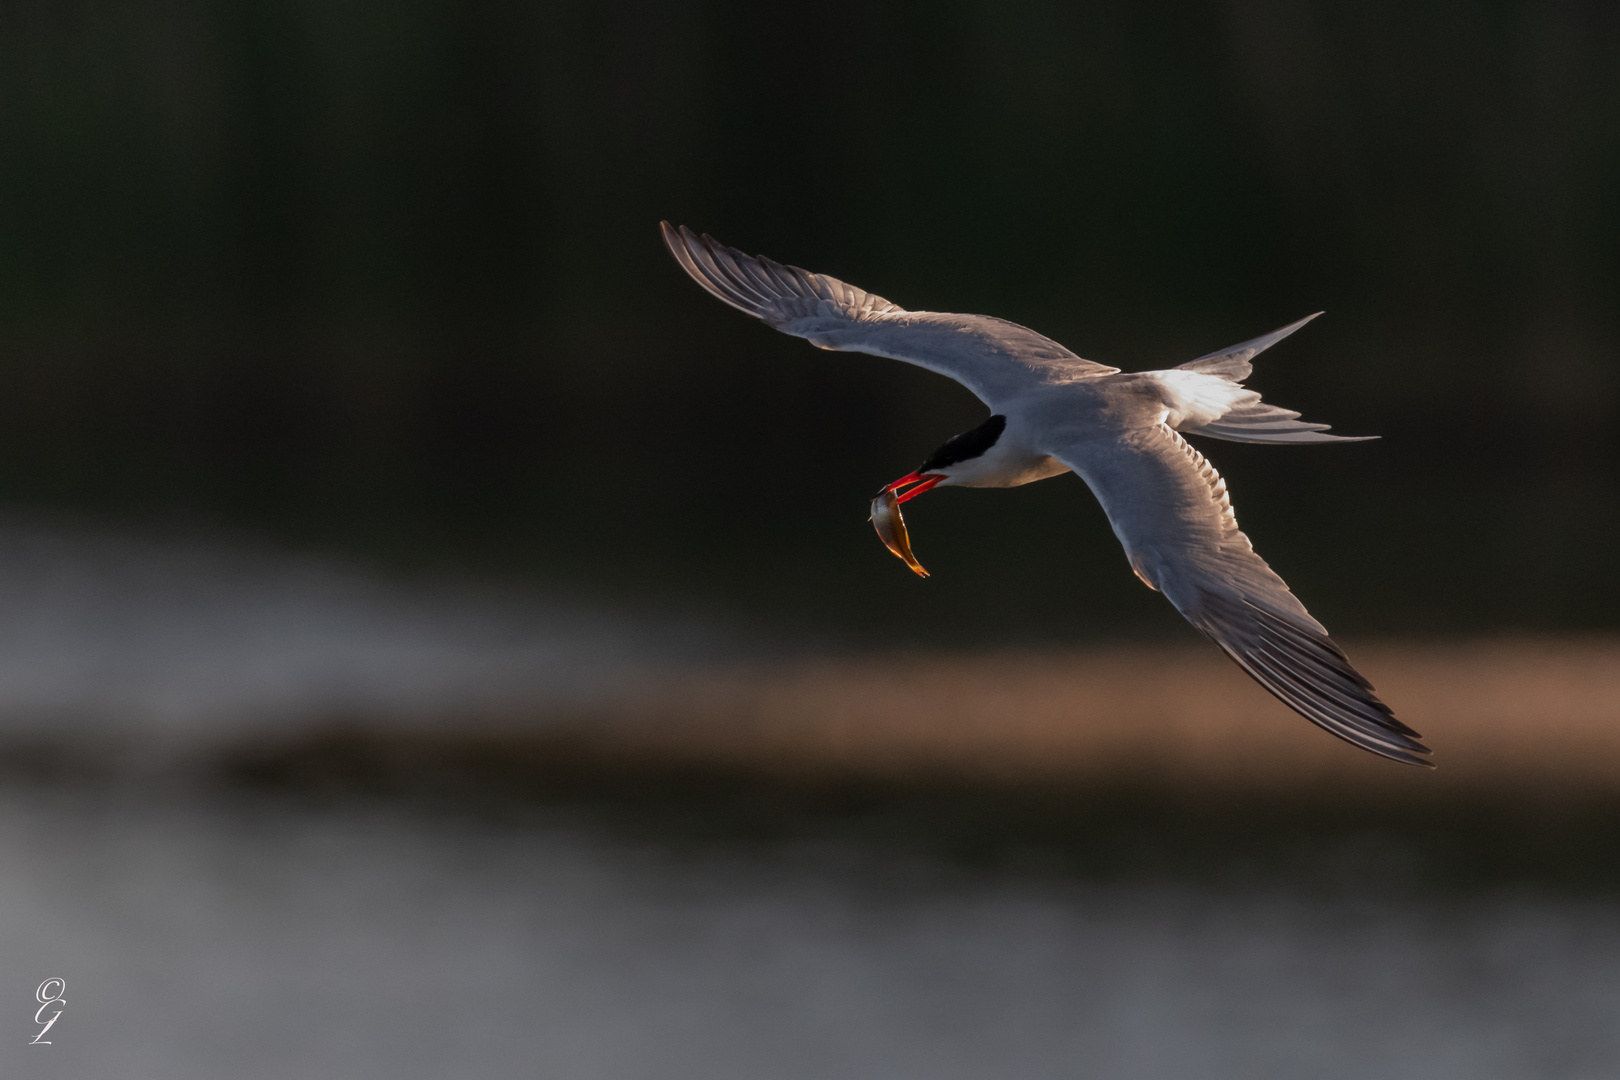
(1306, 670)
(672, 239)
(1412, 753)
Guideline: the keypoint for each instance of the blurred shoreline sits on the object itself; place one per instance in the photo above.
(1524, 716)
(160, 666)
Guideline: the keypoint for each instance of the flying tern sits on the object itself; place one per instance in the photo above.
(1123, 433)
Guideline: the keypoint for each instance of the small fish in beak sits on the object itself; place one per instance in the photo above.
(891, 528)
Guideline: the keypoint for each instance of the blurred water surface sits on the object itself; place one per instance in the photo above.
(211, 936)
(183, 638)
(209, 931)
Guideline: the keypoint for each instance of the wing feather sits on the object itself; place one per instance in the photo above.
(993, 358)
(1170, 509)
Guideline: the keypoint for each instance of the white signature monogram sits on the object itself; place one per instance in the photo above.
(49, 993)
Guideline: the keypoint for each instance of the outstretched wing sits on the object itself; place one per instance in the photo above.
(1169, 507)
(993, 358)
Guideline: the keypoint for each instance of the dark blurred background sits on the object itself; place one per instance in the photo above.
(386, 279)
(387, 526)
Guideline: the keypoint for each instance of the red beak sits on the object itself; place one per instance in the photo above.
(924, 481)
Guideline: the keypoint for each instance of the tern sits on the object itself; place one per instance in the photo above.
(1051, 413)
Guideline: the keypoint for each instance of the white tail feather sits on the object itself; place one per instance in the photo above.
(1206, 397)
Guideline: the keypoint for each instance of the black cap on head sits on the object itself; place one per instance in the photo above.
(968, 445)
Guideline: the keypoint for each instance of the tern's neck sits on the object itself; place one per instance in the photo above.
(991, 455)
